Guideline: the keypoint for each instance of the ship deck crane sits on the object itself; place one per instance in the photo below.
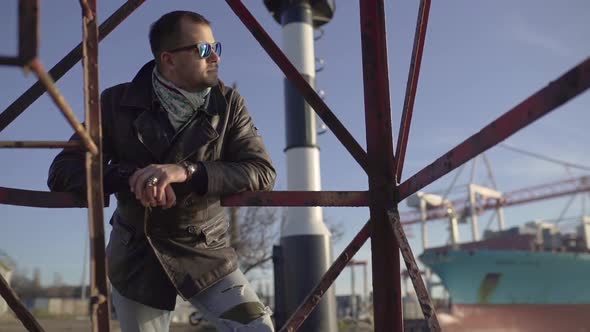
(432, 207)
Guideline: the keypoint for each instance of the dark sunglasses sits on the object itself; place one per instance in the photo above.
(204, 49)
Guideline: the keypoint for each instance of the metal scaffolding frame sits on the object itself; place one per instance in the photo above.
(383, 167)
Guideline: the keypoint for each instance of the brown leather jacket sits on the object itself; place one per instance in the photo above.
(153, 254)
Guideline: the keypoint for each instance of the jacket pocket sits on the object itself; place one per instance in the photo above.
(216, 233)
(125, 232)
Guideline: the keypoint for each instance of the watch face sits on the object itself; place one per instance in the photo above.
(190, 168)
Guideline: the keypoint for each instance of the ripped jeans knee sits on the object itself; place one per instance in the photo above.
(261, 324)
(233, 306)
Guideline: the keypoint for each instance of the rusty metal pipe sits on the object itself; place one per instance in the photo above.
(40, 199)
(39, 145)
(557, 93)
(298, 198)
(28, 30)
(10, 61)
(99, 305)
(387, 302)
(66, 63)
(312, 98)
(62, 104)
(19, 309)
(414, 271)
(411, 87)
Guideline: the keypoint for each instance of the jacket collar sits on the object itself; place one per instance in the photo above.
(140, 93)
(152, 126)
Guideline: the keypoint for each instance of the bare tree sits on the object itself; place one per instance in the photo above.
(253, 231)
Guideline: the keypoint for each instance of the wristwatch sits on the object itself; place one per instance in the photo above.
(189, 168)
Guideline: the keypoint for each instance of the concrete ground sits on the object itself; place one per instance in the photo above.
(83, 325)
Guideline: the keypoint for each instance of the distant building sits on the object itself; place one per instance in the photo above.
(57, 306)
(346, 309)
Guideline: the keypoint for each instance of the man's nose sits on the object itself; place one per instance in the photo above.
(213, 57)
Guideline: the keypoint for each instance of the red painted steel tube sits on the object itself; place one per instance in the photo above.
(298, 198)
(18, 307)
(28, 30)
(10, 61)
(314, 297)
(41, 199)
(412, 84)
(31, 198)
(39, 145)
(63, 105)
(99, 305)
(557, 93)
(298, 81)
(34, 92)
(384, 247)
(413, 271)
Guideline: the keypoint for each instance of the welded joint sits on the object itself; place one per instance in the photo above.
(63, 106)
(98, 299)
(87, 12)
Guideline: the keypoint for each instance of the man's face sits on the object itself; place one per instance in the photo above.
(188, 70)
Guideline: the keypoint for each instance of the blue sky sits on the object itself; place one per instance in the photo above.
(479, 61)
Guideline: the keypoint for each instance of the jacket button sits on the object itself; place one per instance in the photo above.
(192, 229)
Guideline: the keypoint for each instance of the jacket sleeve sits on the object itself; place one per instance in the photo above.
(67, 172)
(245, 164)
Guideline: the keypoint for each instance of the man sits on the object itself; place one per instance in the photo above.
(175, 140)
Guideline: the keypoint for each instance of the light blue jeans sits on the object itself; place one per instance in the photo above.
(231, 305)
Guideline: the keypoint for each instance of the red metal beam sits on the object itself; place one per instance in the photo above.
(18, 307)
(44, 199)
(28, 30)
(40, 199)
(314, 297)
(63, 105)
(384, 247)
(412, 85)
(99, 304)
(299, 82)
(40, 144)
(414, 272)
(298, 198)
(10, 61)
(65, 64)
(557, 93)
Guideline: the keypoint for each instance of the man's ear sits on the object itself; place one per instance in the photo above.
(166, 59)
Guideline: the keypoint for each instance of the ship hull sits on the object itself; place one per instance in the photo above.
(517, 318)
(512, 290)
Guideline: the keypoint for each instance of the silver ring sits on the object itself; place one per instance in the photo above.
(152, 181)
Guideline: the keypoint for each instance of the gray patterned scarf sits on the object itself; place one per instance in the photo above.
(180, 104)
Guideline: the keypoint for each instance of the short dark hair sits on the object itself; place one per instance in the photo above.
(165, 32)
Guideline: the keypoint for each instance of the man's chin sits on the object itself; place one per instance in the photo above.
(212, 81)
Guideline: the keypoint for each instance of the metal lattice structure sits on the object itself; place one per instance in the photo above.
(383, 167)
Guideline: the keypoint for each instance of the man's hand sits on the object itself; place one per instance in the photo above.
(148, 197)
(157, 192)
